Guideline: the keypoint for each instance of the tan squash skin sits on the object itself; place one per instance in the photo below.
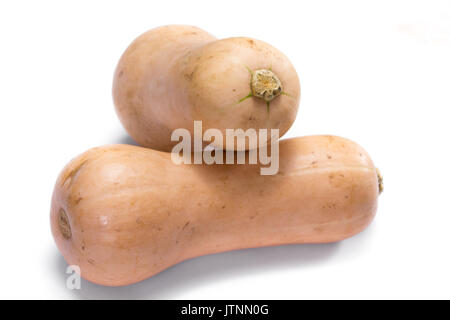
(170, 76)
(132, 213)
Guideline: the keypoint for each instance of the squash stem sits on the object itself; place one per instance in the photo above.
(265, 84)
(380, 181)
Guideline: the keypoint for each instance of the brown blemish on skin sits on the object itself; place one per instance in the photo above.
(130, 95)
(91, 261)
(336, 180)
(329, 156)
(78, 200)
(64, 226)
(72, 174)
(318, 229)
(189, 76)
(185, 225)
(120, 73)
(331, 206)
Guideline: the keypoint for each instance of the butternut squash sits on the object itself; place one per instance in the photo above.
(170, 76)
(124, 213)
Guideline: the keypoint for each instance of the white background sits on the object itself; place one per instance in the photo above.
(377, 72)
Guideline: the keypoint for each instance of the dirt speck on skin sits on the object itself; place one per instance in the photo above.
(251, 42)
(130, 94)
(329, 205)
(120, 73)
(223, 207)
(318, 229)
(329, 156)
(185, 225)
(189, 76)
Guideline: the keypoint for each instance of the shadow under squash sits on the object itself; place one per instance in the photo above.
(206, 269)
(126, 139)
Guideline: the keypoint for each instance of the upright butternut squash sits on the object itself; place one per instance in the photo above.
(170, 76)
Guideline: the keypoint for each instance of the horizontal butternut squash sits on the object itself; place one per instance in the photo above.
(170, 76)
(124, 213)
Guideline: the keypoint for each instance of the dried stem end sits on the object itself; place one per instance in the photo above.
(265, 85)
